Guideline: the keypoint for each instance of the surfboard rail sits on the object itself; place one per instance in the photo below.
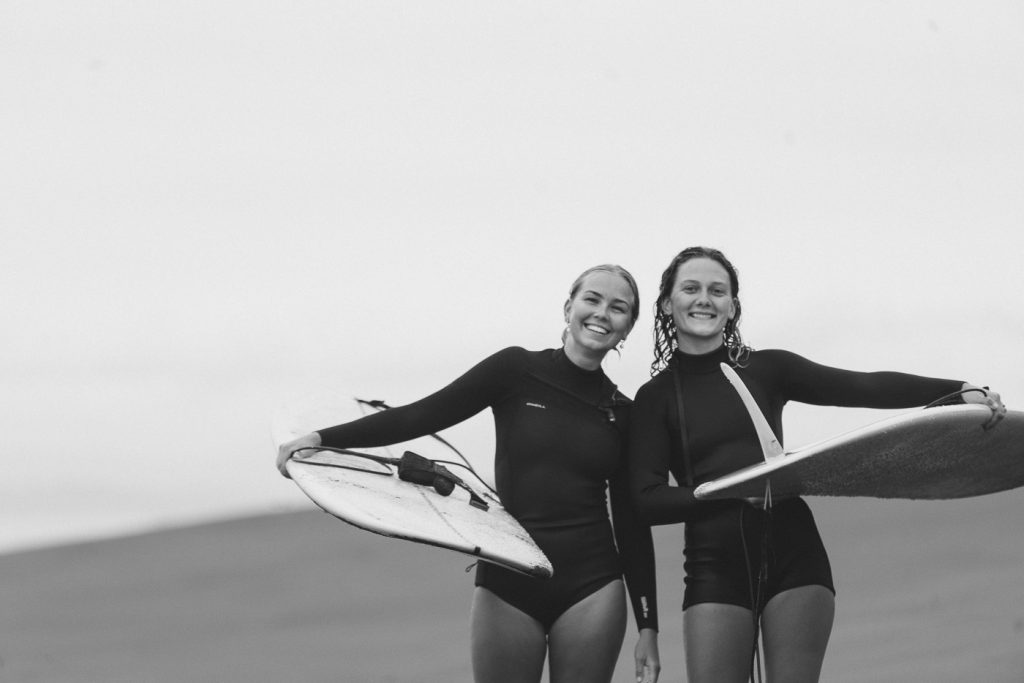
(936, 453)
(363, 488)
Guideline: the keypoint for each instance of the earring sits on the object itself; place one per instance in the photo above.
(622, 342)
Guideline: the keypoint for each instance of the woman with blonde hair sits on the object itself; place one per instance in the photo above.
(560, 427)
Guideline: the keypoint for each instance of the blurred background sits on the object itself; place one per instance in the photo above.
(211, 206)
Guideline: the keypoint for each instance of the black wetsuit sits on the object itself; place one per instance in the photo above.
(560, 443)
(725, 539)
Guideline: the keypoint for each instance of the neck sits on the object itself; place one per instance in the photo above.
(584, 358)
(698, 346)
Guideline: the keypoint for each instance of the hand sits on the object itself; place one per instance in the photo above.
(286, 450)
(984, 396)
(648, 663)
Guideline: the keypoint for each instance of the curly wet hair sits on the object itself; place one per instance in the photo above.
(665, 342)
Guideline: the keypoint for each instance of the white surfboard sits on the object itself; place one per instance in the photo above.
(362, 487)
(934, 453)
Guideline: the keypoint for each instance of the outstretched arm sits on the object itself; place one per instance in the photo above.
(466, 396)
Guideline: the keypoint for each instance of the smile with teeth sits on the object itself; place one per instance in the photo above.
(597, 329)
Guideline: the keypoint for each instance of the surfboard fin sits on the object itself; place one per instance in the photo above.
(770, 446)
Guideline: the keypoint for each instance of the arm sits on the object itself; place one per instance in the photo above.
(651, 443)
(809, 382)
(475, 390)
(636, 548)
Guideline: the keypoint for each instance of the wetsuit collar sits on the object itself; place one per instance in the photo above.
(563, 360)
(700, 364)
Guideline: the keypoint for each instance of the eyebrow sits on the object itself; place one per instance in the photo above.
(596, 293)
(698, 282)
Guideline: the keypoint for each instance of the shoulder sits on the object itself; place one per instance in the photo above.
(515, 360)
(508, 361)
(519, 355)
(656, 388)
(513, 354)
(771, 358)
(778, 367)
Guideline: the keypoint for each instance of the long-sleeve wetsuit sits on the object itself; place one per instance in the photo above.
(721, 440)
(560, 444)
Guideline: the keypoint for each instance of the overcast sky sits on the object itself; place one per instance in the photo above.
(210, 205)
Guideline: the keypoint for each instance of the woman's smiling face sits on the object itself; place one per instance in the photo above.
(701, 304)
(600, 315)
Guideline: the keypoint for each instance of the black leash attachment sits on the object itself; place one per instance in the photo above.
(416, 469)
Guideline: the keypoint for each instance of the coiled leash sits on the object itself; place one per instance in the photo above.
(758, 586)
(412, 467)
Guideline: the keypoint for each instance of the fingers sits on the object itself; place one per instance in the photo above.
(647, 673)
(995, 404)
(646, 658)
(283, 455)
(988, 398)
(293, 449)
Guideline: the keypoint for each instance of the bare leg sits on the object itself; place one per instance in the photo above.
(797, 624)
(508, 646)
(586, 640)
(719, 643)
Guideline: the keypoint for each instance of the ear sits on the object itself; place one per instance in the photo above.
(565, 309)
(666, 306)
(732, 308)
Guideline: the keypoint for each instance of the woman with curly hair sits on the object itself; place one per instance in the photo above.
(750, 566)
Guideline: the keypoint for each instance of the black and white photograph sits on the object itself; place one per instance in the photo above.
(511, 342)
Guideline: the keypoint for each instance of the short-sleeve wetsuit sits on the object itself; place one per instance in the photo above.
(724, 538)
(560, 444)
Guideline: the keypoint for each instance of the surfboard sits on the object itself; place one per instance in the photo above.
(452, 508)
(936, 453)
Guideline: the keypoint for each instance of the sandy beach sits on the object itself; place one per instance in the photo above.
(927, 592)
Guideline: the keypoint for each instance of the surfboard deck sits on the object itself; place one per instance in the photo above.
(370, 496)
(929, 454)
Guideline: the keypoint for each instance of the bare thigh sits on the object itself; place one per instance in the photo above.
(507, 645)
(796, 626)
(586, 640)
(719, 643)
